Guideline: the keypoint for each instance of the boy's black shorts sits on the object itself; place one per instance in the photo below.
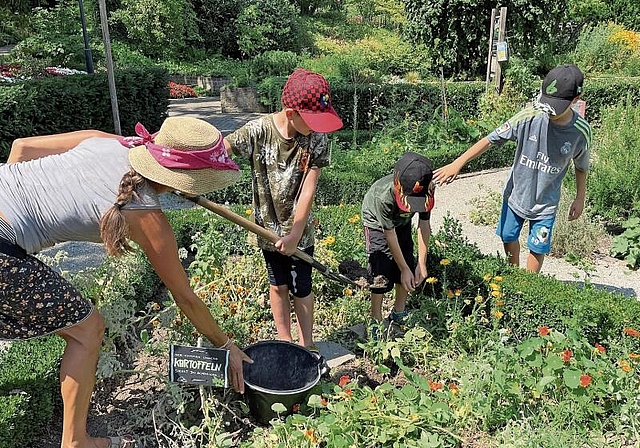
(381, 261)
(294, 273)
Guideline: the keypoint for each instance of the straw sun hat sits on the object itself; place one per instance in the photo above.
(187, 154)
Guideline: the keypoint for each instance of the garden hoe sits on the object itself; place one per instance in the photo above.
(266, 234)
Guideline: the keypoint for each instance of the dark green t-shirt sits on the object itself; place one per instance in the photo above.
(279, 167)
(379, 208)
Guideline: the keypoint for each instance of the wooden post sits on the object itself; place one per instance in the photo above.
(497, 31)
(109, 63)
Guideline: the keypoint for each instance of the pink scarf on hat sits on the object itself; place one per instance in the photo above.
(215, 157)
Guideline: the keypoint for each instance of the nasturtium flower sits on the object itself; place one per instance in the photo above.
(624, 365)
(566, 355)
(296, 408)
(454, 388)
(600, 348)
(543, 331)
(344, 380)
(310, 434)
(348, 392)
(434, 385)
(585, 380)
(631, 332)
(431, 280)
(445, 262)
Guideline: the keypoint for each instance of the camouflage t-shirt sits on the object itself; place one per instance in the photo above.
(278, 169)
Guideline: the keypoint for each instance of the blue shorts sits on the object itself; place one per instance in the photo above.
(294, 273)
(510, 226)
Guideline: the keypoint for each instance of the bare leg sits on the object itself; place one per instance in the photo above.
(376, 306)
(303, 306)
(534, 262)
(401, 298)
(513, 252)
(281, 309)
(78, 378)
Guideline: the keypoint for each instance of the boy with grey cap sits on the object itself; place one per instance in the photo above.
(387, 210)
(549, 135)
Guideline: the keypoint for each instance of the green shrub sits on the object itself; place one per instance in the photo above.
(265, 25)
(614, 191)
(627, 244)
(28, 370)
(158, 28)
(216, 20)
(70, 103)
(274, 63)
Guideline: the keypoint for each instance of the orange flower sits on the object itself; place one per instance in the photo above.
(600, 348)
(634, 356)
(348, 392)
(543, 331)
(323, 401)
(631, 332)
(454, 388)
(585, 380)
(433, 385)
(566, 355)
(296, 408)
(450, 294)
(457, 292)
(498, 314)
(624, 365)
(310, 434)
(344, 380)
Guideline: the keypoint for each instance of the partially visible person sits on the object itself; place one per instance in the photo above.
(387, 211)
(549, 135)
(93, 186)
(286, 151)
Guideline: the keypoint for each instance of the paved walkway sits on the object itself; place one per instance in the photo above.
(208, 109)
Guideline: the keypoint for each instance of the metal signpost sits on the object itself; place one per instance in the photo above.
(109, 62)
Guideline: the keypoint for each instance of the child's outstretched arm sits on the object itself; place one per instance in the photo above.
(406, 276)
(577, 206)
(289, 243)
(424, 234)
(448, 173)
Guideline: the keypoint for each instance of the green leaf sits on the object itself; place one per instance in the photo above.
(571, 378)
(278, 407)
(544, 382)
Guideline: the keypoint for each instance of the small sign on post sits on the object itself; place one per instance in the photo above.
(199, 365)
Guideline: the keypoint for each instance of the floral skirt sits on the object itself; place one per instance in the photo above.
(35, 300)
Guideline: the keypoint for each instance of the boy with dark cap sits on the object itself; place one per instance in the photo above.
(549, 135)
(387, 211)
(287, 150)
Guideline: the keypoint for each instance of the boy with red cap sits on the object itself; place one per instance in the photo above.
(387, 210)
(287, 150)
(549, 135)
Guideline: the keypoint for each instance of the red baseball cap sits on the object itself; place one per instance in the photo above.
(308, 94)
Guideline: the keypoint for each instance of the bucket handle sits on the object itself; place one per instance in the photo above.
(323, 367)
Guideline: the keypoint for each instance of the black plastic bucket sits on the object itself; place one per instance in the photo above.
(281, 372)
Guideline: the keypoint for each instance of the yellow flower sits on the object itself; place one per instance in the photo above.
(248, 212)
(496, 294)
(499, 302)
(494, 286)
(348, 291)
(457, 292)
(624, 365)
(634, 356)
(354, 219)
(487, 277)
(431, 280)
(479, 299)
(329, 240)
(498, 314)
(497, 278)
(445, 262)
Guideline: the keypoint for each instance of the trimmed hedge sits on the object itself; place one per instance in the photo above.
(29, 389)
(69, 103)
(607, 92)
